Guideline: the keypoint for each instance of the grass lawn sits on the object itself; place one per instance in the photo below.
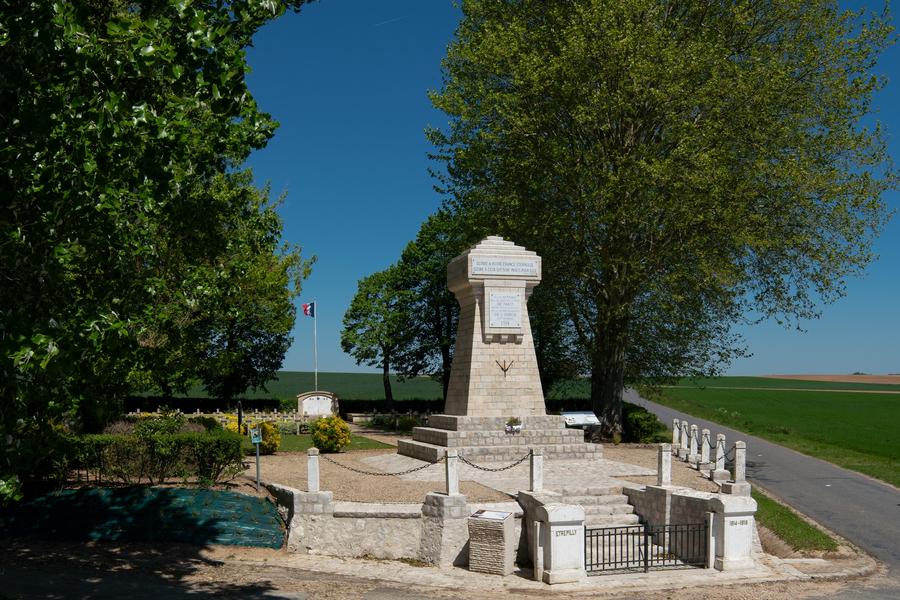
(857, 431)
(303, 442)
(787, 525)
(795, 384)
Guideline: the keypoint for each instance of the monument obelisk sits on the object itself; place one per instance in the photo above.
(494, 377)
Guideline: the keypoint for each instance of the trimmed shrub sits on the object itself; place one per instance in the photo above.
(641, 426)
(206, 457)
(271, 438)
(166, 423)
(330, 434)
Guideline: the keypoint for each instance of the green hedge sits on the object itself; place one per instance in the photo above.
(203, 457)
(641, 426)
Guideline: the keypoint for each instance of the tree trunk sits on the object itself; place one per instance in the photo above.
(608, 381)
(386, 379)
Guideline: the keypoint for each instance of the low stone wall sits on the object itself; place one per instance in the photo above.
(434, 531)
(733, 521)
(651, 505)
(377, 534)
(689, 506)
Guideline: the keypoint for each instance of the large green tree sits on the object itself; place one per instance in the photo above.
(677, 164)
(117, 115)
(432, 311)
(378, 329)
(245, 329)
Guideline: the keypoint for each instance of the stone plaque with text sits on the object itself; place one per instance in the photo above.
(498, 266)
(505, 309)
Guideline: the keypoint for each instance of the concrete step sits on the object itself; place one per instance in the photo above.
(610, 520)
(500, 453)
(527, 437)
(607, 509)
(597, 490)
(600, 499)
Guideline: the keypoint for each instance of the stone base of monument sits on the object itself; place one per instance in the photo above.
(485, 439)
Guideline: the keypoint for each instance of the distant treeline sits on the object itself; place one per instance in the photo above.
(347, 405)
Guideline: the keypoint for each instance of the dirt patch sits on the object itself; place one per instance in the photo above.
(889, 379)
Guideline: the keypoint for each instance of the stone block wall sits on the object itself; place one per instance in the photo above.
(434, 531)
(651, 505)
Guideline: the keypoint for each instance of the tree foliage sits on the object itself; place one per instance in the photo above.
(432, 311)
(378, 329)
(678, 165)
(118, 117)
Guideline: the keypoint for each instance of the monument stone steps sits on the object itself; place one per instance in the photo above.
(607, 509)
(499, 453)
(594, 490)
(604, 506)
(496, 437)
(598, 500)
(616, 520)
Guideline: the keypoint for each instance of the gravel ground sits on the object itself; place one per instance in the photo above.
(289, 468)
(56, 570)
(644, 455)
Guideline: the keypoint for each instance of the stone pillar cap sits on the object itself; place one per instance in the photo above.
(494, 258)
(554, 513)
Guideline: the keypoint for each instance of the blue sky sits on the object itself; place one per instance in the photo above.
(347, 80)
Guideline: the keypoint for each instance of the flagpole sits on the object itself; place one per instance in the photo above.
(315, 344)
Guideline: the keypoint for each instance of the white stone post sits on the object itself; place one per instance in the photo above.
(683, 450)
(664, 465)
(312, 470)
(735, 523)
(563, 542)
(452, 471)
(738, 486)
(537, 470)
(538, 559)
(740, 461)
(719, 474)
(693, 456)
(676, 433)
(704, 449)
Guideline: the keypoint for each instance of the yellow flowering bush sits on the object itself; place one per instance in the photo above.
(271, 438)
(330, 434)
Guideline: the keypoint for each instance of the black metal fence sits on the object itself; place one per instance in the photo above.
(645, 547)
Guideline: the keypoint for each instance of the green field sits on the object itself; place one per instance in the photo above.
(368, 386)
(356, 386)
(794, 384)
(858, 431)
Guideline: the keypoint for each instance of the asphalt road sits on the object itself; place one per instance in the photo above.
(859, 508)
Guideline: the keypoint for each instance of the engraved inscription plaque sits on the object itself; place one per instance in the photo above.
(486, 265)
(505, 309)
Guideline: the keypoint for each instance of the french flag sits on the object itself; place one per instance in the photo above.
(309, 310)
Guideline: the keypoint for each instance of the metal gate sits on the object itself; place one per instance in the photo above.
(645, 547)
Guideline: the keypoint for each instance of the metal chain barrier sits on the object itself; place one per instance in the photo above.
(495, 470)
(380, 473)
(730, 454)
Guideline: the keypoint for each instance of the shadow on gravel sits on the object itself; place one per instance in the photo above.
(131, 544)
(41, 569)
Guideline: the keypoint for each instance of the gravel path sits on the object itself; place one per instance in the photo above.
(625, 462)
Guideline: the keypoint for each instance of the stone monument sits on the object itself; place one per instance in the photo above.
(494, 380)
